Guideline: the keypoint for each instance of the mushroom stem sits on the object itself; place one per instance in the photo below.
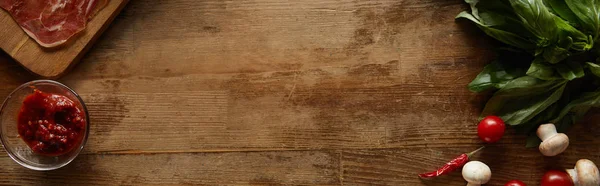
(546, 131)
(585, 173)
(573, 174)
(553, 143)
(473, 184)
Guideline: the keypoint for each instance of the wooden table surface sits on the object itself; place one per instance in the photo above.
(271, 92)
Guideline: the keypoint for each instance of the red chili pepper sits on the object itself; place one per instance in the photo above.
(456, 163)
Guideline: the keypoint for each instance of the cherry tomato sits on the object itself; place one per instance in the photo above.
(491, 129)
(515, 183)
(556, 178)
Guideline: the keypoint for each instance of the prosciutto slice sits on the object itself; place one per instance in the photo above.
(52, 22)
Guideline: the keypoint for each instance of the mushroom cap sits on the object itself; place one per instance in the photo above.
(554, 145)
(587, 173)
(476, 172)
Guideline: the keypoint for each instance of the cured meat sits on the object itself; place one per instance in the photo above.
(52, 22)
(99, 5)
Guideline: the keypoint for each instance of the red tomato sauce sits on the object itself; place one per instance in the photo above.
(51, 124)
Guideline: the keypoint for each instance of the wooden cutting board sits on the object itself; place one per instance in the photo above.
(52, 63)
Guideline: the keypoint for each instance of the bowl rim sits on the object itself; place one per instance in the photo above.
(78, 150)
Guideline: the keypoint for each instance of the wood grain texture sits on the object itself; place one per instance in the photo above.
(268, 92)
(264, 168)
(54, 62)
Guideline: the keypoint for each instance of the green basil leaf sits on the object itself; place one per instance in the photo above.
(537, 18)
(588, 12)
(549, 113)
(495, 75)
(523, 98)
(494, 13)
(556, 53)
(594, 68)
(560, 8)
(563, 125)
(542, 70)
(570, 70)
(533, 141)
(541, 118)
(577, 108)
(578, 40)
(497, 19)
(550, 30)
(500, 35)
(499, 15)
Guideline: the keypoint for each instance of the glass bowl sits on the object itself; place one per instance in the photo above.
(16, 148)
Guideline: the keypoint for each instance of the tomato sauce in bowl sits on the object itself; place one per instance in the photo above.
(44, 125)
(50, 124)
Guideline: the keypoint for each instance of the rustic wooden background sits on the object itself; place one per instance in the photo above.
(268, 92)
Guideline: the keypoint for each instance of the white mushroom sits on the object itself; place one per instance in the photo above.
(476, 173)
(552, 143)
(585, 173)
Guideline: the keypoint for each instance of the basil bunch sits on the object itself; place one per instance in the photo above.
(550, 70)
